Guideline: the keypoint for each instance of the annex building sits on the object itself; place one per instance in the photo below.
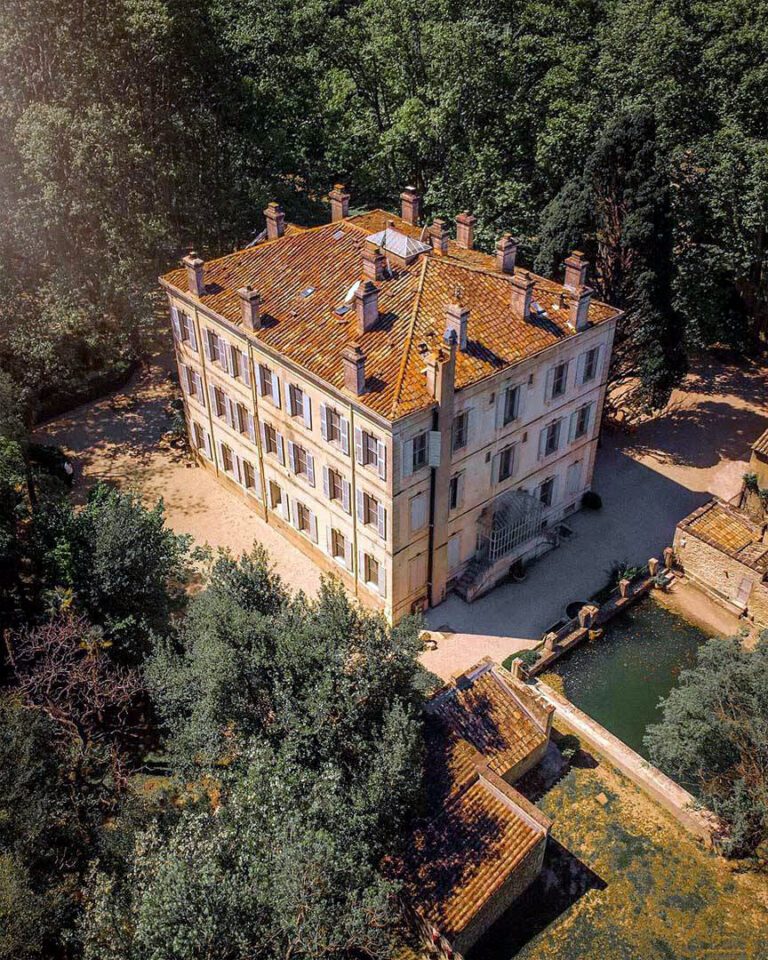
(413, 413)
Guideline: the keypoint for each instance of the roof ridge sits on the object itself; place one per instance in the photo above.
(408, 341)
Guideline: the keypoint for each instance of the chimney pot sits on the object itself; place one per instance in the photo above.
(506, 253)
(353, 362)
(410, 206)
(194, 266)
(575, 270)
(522, 294)
(456, 323)
(250, 305)
(275, 221)
(374, 262)
(366, 305)
(439, 236)
(579, 309)
(465, 230)
(339, 202)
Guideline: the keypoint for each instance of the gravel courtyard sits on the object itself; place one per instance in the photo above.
(648, 479)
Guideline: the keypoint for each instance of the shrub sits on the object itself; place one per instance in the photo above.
(591, 500)
(529, 657)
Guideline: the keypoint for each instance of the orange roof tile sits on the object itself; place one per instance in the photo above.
(411, 304)
(761, 444)
(731, 531)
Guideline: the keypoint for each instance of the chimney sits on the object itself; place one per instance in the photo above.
(575, 270)
(194, 266)
(353, 362)
(374, 262)
(465, 230)
(250, 305)
(456, 321)
(506, 252)
(366, 305)
(522, 293)
(410, 206)
(579, 309)
(339, 202)
(441, 368)
(439, 236)
(275, 221)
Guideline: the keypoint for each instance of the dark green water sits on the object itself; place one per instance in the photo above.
(620, 678)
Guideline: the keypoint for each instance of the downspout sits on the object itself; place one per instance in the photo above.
(431, 541)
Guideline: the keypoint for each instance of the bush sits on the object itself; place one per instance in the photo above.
(591, 500)
(529, 657)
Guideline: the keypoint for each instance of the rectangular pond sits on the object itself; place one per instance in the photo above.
(620, 678)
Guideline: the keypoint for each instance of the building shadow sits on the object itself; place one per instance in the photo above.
(563, 881)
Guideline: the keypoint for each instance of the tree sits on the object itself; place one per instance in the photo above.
(714, 737)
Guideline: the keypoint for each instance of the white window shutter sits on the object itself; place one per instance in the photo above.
(381, 456)
(329, 541)
(288, 401)
(285, 507)
(599, 363)
(207, 444)
(313, 527)
(199, 392)
(358, 444)
(280, 448)
(521, 392)
(460, 490)
(251, 428)
(348, 558)
(550, 384)
(224, 354)
(238, 469)
(501, 400)
(212, 395)
(295, 514)
(275, 389)
(360, 506)
(542, 443)
(192, 333)
(407, 457)
(263, 434)
(307, 412)
(581, 364)
(382, 584)
(326, 483)
(381, 521)
(221, 455)
(228, 412)
(207, 344)
(567, 373)
(324, 420)
(468, 426)
(291, 455)
(495, 464)
(434, 448)
(558, 432)
(175, 323)
(344, 431)
(572, 423)
(345, 496)
(260, 378)
(590, 415)
(361, 564)
(311, 469)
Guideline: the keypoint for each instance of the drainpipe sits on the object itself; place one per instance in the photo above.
(431, 546)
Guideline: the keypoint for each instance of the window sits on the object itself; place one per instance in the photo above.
(370, 509)
(546, 491)
(213, 346)
(338, 544)
(589, 371)
(199, 436)
(418, 511)
(268, 384)
(241, 418)
(303, 517)
(370, 451)
(249, 476)
(371, 513)
(511, 404)
(460, 424)
(455, 491)
(582, 418)
(549, 439)
(219, 404)
(559, 380)
(506, 463)
(295, 401)
(226, 458)
(371, 569)
(301, 462)
(269, 435)
(419, 451)
(299, 459)
(332, 425)
(275, 495)
(335, 485)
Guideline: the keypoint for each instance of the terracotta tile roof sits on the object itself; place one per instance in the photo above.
(761, 444)
(730, 531)
(485, 711)
(411, 304)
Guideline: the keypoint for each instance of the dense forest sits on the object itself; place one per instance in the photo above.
(133, 129)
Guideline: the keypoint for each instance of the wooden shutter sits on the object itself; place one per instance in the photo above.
(382, 584)
(348, 555)
(381, 521)
(313, 526)
(275, 389)
(292, 455)
(573, 421)
(245, 367)
(199, 392)
(263, 433)
(191, 332)
(212, 395)
(495, 465)
(549, 384)
(599, 363)
(542, 442)
(260, 380)
(251, 427)
(288, 400)
(344, 433)
(307, 411)
(295, 514)
(219, 446)
(229, 413)
(501, 402)
(324, 420)
(590, 415)
(311, 469)
(326, 484)
(360, 506)
(581, 365)
(407, 457)
(238, 468)
(175, 323)
(434, 448)
(418, 512)
(460, 490)
(207, 444)
(285, 506)
(329, 540)
(280, 448)
(345, 496)
(359, 445)
(207, 344)
(381, 457)
(361, 564)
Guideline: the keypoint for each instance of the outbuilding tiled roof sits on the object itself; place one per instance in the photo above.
(761, 444)
(412, 302)
(730, 531)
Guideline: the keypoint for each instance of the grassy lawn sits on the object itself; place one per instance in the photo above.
(622, 881)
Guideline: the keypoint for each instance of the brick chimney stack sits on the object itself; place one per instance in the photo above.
(579, 308)
(339, 202)
(522, 293)
(194, 266)
(275, 221)
(250, 305)
(575, 270)
(353, 362)
(465, 230)
(457, 321)
(439, 236)
(366, 305)
(506, 253)
(410, 208)
(374, 262)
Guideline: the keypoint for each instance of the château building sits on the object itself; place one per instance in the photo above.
(413, 413)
